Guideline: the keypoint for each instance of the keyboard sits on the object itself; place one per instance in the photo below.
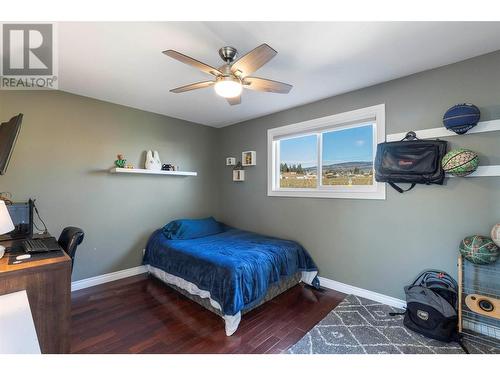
(42, 245)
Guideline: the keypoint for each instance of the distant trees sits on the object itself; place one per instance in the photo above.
(297, 168)
(327, 169)
(356, 171)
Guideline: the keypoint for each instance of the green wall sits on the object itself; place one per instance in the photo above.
(67, 145)
(372, 244)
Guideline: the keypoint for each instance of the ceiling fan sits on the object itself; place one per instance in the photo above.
(233, 76)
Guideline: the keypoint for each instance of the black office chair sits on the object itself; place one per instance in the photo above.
(69, 240)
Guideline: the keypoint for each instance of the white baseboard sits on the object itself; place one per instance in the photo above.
(327, 283)
(106, 278)
(350, 289)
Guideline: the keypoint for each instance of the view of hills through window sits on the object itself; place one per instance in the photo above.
(347, 159)
(298, 162)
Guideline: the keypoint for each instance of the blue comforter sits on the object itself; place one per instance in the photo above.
(235, 266)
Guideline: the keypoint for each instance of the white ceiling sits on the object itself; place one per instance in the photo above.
(122, 62)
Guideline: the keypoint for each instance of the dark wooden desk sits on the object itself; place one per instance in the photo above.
(48, 285)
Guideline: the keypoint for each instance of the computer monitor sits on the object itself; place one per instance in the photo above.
(8, 136)
(21, 214)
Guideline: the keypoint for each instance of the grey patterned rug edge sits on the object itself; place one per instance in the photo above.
(361, 326)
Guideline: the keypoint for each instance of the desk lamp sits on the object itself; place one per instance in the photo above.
(6, 224)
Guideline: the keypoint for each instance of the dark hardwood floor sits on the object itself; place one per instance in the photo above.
(141, 315)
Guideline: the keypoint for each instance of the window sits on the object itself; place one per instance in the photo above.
(330, 157)
(348, 156)
(299, 162)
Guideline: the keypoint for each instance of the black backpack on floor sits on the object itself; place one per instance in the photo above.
(431, 306)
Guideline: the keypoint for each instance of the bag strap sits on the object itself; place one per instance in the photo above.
(424, 275)
(400, 190)
(433, 276)
(396, 313)
(410, 136)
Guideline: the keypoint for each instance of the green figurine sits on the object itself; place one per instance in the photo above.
(121, 162)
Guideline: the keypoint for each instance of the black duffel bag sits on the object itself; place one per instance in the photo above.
(410, 160)
(431, 307)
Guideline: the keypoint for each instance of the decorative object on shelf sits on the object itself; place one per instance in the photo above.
(129, 166)
(238, 173)
(168, 167)
(121, 161)
(248, 158)
(461, 118)
(495, 234)
(230, 161)
(460, 162)
(479, 249)
(153, 160)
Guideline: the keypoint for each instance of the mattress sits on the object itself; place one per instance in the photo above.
(201, 297)
(232, 272)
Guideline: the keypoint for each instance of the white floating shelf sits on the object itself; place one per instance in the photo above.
(481, 127)
(238, 175)
(149, 171)
(484, 171)
(248, 158)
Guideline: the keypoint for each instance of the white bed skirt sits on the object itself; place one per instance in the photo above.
(231, 321)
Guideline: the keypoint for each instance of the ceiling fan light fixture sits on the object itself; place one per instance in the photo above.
(235, 75)
(228, 87)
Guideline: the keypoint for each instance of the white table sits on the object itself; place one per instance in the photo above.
(17, 330)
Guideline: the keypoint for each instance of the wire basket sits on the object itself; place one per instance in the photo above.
(483, 280)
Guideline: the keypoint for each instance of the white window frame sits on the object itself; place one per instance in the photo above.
(371, 115)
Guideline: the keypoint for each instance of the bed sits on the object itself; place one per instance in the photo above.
(227, 270)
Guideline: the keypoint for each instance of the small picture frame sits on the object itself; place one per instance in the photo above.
(230, 161)
(248, 158)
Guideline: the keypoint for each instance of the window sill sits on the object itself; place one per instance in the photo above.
(378, 194)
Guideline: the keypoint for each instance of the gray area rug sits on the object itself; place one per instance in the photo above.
(361, 326)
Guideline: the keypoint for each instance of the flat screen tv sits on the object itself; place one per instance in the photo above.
(8, 136)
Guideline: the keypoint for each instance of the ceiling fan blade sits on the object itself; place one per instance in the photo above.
(261, 84)
(193, 86)
(253, 60)
(234, 101)
(193, 62)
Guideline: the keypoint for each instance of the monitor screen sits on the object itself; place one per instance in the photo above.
(22, 217)
(8, 136)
